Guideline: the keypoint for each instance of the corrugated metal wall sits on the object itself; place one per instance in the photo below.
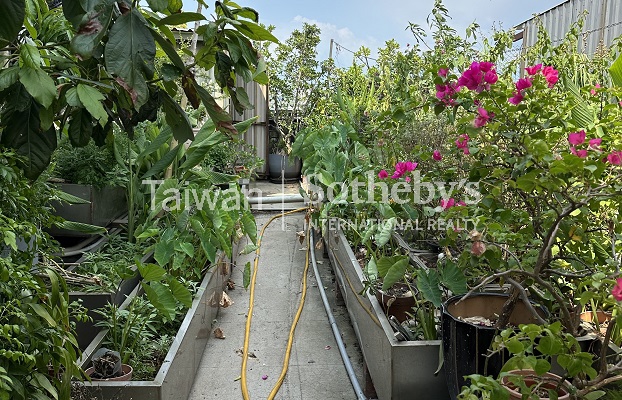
(602, 25)
(257, 134)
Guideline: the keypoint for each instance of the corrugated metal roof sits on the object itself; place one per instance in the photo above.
(603, 23)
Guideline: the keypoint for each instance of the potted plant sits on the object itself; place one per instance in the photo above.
(107, 366)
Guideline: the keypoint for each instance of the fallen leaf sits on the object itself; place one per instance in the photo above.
(230, 284)
(225, 300)
(301, 236)
(219, 334)
(319, 244)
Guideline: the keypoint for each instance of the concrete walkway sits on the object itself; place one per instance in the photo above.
(316, 370)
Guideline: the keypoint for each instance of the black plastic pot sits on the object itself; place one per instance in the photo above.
(465, 345)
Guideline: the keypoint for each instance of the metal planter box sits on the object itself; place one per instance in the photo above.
(399, 370)
(105, 205)
(175, 378)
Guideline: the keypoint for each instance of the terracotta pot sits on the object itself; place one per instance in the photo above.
(126, 369)
(601, 317)
(550, 381)
(397, 306)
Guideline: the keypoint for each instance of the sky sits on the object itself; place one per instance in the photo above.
(356, 23)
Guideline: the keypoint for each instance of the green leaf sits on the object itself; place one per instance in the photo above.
(174, 6)
(29, 56)
(386, 228)
(71, 96)
(12, 13)
(43, 313)
(514, 346)
(428, 284)
(70, 198)
(176, 118)
(594, 395)
(180, 292)
(151, 272)
(164, 251)
(161, 298)
(250, 226)
(44, 382)
(583, 115)
(244, 125)
(542, 366)
(249, 248)
(256, 32)
(181, 18)
(453, 278)
(392, 270)
(616, 71)
(92, 98)
(130, 55)
(80, 128)
(169, 49)
(158, 5)
(371, 269)
(8, 76)
(199, 148)
(221, 118)
(92, 27)
(81, 227)
(187, 248)
(549, 346)
(246, 279)
(39, 85)
(162, 163)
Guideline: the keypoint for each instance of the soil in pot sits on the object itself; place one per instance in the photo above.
(468, 331)
(127, 371)
(398, 300)
(540, 384)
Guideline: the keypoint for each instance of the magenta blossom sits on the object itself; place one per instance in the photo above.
(576, 138)
(579, 153)
(463, 143)
(593, 91)
(479, 76)
(437, 155)
(595, 144)
(615, 158)
(517, 98)
(447, 93)
(445, 204)
(482, 118)
(443, 72)
(617, 290)
(523, 83)
(551, 75)
(534, 69)
(383, 174)
(403, 167)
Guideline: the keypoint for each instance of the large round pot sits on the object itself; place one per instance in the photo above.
(281, 168)
(546, 381)
(397, 305)
(465, 344)
(126, 369)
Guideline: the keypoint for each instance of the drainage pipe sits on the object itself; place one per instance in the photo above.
(286, 198)
(342, 348)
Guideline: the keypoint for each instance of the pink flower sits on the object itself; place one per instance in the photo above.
(593, 91)
(615, 158)
(523, 84)
(463, 141)
(445, 204)
(461, 203)
(383, 174)
(516, 99)
(443, 72)
(579, 153)
(551, 75)
(437, 155)
(402, 167)
(534, 69)
(479, 76)
(483, 117)
(576, 138)
(447, 93)
(407, 179)
(595, 144)
(617, 290)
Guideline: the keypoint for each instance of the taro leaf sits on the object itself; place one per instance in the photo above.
(164, 251)
(29, 140)
(371, 270)
(180, 292)
(130, 54)
(39, 85)
(248, 249)
(151, 272)
(208, 247)
(250, 226)
(385, 229)
(176, 118)
(392, 270)
(181, 18)
(162, 299)
(453, 278)
(428, 284)
(12, 13)
(80, 128)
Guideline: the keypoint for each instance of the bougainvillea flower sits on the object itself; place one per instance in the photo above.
(383, 174)
(407, 179)
(576, 138)
(523, 84)
(491, 77)
(437, 155)
(595, 144)
(463, 141)
(402, 167)
(617, 290)
(443, 72)
(479, 76)
(615, 158)
(482, 118)
(516, 99)
(447, 93)
(534, 69)
(551, 75)
(593, 91)
(579, 153)
(445, 204)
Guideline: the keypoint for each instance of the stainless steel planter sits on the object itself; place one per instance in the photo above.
(176, 375)
(399, 370)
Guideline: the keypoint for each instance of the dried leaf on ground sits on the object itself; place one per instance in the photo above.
(301, 236)
(225, 300)
(230, 284)
(219, 334)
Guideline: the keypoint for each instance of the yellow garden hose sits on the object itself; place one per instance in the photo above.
(290, 340)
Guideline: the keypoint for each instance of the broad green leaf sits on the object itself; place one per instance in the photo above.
(162, 163)
(12, 13)
(256, 32)
(163, 138)
(164, 251)
(29, 56)
(80, 128)
(43, 313)
(176, 118)
(250, 226)
(549, 346)
(181, 18)
(180, 292)
(158, 5)
(93, 27)
(385, 230)
(8, 76)
(39, 85)
(371, 269)
(249, 248)
(169, 49)
(514, 346)
(81, 227)
(130, 55)
(453, 278)
(428, 284)
(162, 299)
(198, 149)
(72, 98)
(151, 272)
(187, 248)
(616, 71)
(92, 100)
(542, 366)
(392, 270)
(174, 6)
(70, 198)
(74, 12)
(583, 114)
(221, 118)
(44, 382)
(244, 125)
